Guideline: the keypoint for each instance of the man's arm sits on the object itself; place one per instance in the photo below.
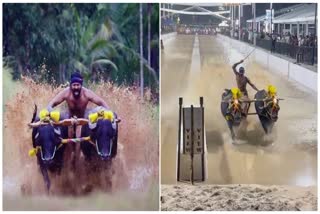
(252, 85)
(96, 99)
(59, 98)
(235, 65)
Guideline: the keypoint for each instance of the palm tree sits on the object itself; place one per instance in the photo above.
(94, 48)
(93, 38)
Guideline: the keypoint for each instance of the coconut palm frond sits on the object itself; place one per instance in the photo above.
(105, 61)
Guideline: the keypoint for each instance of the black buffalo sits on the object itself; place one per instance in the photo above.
(103, 142)
(231, 110)
(267, 110)
(50, 155)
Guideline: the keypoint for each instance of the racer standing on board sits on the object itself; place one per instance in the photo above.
(242, 81)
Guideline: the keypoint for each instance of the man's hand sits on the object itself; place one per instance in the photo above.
(255, 88)
(49, 108)
(74, 121)
(234, 67)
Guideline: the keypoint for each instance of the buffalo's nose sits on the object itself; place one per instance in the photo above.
(105, 157)
(48, 162)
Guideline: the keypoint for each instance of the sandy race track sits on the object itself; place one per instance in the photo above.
(194, 66)
(238, 197)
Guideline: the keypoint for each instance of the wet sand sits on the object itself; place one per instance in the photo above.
(238, 197)
(287, 157)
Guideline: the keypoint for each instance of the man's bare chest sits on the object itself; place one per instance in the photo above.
(77, 104)
(241, 81)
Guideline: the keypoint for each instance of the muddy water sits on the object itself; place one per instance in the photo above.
(287, 157)
(131, 183)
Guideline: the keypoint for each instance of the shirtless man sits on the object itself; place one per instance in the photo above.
(77, 98)
(242, 81)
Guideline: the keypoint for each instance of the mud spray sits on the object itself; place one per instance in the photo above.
(134, 172)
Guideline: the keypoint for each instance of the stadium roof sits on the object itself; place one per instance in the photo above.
(303, 15)
(200, 11)
(200, 4)
(258, 19)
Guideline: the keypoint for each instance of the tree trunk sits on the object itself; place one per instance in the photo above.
(60, 74)
(62, 69)
(141, 52)
(64, 74)
(149, 41)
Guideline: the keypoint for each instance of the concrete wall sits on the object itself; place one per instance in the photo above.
(303, 75)
(168, 36)
(279, 65)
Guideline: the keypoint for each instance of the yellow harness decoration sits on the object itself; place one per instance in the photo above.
(272, 90)
(44, 115)
(93, 117)
(272, 93)
(55, 116)
(34, 151)
(236, 93)
(107, 115)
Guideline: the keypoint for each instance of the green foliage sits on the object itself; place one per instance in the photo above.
(49, 41)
